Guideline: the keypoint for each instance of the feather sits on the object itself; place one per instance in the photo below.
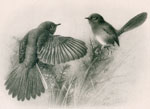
(24, 83)
(70, 51)
(62, 55)
(34, 88)
(61, 49)
(74, 52)
(77, 48)
(49, 53)
(56, 55)
(68, 57)
(133, 23)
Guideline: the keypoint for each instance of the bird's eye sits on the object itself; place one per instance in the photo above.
(51, 27)
(94, 18)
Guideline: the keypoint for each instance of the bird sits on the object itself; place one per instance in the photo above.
(106, 34)
(41, 45)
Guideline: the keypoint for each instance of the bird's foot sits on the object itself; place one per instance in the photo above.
(108, 48)
(97, 50)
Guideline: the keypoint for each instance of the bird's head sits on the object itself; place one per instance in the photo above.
(50, 26)
(95, 19)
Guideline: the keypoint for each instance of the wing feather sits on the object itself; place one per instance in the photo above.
(42, 53)
(110, 30)
(66, 52)
(70, 52)
(58, 55)
(75, 51)
(49, 53)
(60, 49)
(77, 47)
(54, 54)
(80, 45)
(62, 54)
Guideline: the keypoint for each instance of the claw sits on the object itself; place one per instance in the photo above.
(97, 50)
(107, 48)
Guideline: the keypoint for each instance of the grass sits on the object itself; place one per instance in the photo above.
(74, 90)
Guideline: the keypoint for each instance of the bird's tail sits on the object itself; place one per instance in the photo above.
(25, 82)
(133, 23)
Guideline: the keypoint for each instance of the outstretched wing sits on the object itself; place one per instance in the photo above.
(59, 49)
(22, 48)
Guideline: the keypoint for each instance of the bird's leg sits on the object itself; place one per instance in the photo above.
(42, 77)
(108, 49)
(97, 49)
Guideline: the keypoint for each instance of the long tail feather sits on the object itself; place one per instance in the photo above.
(133, 23)
(25, 82)
(42, 77)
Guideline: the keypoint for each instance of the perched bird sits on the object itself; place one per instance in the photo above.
(40, 44)
(106, 34)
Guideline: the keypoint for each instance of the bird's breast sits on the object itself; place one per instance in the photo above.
(100, 40)
(101, 36)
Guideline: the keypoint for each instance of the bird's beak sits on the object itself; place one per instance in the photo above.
(87, 18)
(58, 24)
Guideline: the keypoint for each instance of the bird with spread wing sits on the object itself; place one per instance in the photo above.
(40, 44)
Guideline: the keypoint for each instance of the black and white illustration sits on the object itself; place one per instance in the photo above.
(63, 54)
